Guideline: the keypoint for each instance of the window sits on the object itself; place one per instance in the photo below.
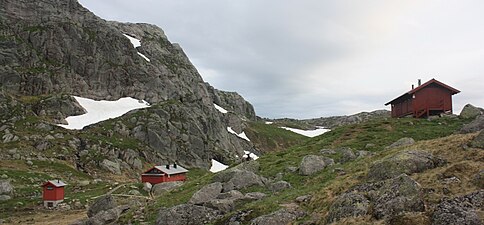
(50, 188)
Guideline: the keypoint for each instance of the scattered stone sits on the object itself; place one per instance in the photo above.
(242, 179)
(478, 141)
(469, 112)
(339, 171)
(111, 166)
(101, 203)
(478, 179)
(206, 193)
(369, 145)
(327, 151)
(12, 151)
(279, 186)
(347, 155)
(147, 187)
(282, 216)
(304, 198)
(4, 176)
(255, 195)
(161, 188)
(83, 183)
(187, 214)
(109, 216)
(134, 192)
(348, 205)
(311, 164)
(291, 169)
(7, 138)
(460, 210)
(362, 154)
(5, 198)
(402, 142)
(409, 162)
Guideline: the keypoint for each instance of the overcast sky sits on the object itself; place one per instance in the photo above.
(313, 58)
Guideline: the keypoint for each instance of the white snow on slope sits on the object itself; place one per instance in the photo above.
(217, 166)
(252, 155)
(144, 57)
(308, 133)
(241, 135)
(136, 43)
(268, 122)
(220, 109)
(98, 111)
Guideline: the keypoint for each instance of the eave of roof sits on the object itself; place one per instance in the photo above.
(411, 92)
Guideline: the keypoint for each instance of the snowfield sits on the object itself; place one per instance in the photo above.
(136, 43)
(307, 133)
(98, 111)
(217, 166)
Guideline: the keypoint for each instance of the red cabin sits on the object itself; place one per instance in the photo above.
(430, 98)
(165, 173)
(53, 193)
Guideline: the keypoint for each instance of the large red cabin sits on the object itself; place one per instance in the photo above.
(53, 193)
(165, 173)
(430, 98)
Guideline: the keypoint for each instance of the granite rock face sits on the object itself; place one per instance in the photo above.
(51, 47)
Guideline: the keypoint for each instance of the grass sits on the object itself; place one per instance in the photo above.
(272, 138)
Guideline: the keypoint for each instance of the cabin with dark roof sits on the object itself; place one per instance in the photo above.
(53, 193)
(165, 173)
(431, 98)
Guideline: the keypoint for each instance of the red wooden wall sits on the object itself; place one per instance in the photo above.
(164, 178)
(56, 193)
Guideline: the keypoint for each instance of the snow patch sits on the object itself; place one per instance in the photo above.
(220, 109)
(252, 155)
(307, 133)
(241, 135)
(217, 166)
(144, 57)
(98, 111)
(135, 42)
(268, 122)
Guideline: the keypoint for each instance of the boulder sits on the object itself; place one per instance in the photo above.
(282, 216)
(108, 216)
(476, 125)
(161, 188)
(327, 151)
(226, 175)
(311, 164)
(412, 161)
(460, 210)
(478, 141)
(304, 198)
(5, 198)
(469, 112)
(6, 188)
(207, 193)
(233, 195)
(279, 186)
(111, 166)
(348, 205)
(187, 214)
(101, 203)
(243, 179)
(402, 142)
(147, 186)
(222, 205)
(398, 195)
(347, 155)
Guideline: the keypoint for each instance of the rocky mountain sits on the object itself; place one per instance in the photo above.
(51, 50)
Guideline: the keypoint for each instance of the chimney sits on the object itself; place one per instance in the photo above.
(174, 165)
(419, 82)
(168, 166)
(412, 86)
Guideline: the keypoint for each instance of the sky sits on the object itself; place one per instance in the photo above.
(314, 58)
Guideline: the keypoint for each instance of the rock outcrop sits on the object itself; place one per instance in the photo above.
(187, 214)
(402, 142)
(408, 162)
(460, 210)
(478, 141)
(336, 121)
(311, 164)
(282, 216)
(6, 190)
(102, 203)
(469, 112)
(475, 125)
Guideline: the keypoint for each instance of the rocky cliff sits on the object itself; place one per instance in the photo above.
(57, 48)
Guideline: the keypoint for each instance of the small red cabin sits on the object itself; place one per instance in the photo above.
(165, 173)
(430, 98)
(53, 193)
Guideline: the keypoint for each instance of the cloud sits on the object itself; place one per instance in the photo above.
(314, 58)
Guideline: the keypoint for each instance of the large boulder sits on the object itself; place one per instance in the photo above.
(226, 175)
(101, 203)
(282, 216)
(347, 155)
(187, 214)
(108, 216)
(279, 186)
(6, 188)
(383, 200)
(409, 162)
(476, 125)
(348, 205)
(311, 164)
(207, 193)
(478, 142)
(406, 141)
(469, 111)
(160, 188)
(111, 166)
(460, 210)
(243, 179)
